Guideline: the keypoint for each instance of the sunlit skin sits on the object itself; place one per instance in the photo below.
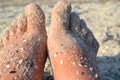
(23, 46)
(72, 46)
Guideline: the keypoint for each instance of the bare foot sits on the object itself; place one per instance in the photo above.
(23, 47)
(72, 46)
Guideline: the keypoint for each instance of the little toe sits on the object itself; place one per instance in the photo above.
(3, 39)
(35, 18)
(1, 43)
(86, 33)
(60, 16)
(5, 36)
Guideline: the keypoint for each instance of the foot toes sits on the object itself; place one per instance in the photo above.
(89, 38)
(17, 28)
(13, 28)
(78, 26)
(87, 34)
(60, 15)
(21, 24)
(75, 23)
(35, 17)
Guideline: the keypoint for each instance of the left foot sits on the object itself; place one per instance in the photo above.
(23, 47)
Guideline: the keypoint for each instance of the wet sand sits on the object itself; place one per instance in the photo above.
(101, 18)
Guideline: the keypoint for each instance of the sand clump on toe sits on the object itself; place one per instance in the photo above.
(23, 46)
(71, 45)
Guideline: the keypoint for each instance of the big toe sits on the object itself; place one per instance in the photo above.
(60, 15)
(35, 17)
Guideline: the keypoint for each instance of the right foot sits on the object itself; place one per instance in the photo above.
(71, 45)
(23, 47)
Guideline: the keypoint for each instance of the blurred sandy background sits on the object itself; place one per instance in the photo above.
(101, 16)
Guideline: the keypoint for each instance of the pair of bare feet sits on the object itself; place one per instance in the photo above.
(72, 47)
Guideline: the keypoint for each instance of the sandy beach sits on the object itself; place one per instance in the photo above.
(102, 17)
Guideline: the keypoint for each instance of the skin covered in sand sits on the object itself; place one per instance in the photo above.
(23, 47)
(72, 46)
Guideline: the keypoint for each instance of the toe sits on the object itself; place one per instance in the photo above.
(5, 36)
(13, 28)
(60, 15)
(75, 23)
(9, 33)
(35, 17)
(17, 28)
(21, 24)
(89, 38)
(1, 44)
(87, 35)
